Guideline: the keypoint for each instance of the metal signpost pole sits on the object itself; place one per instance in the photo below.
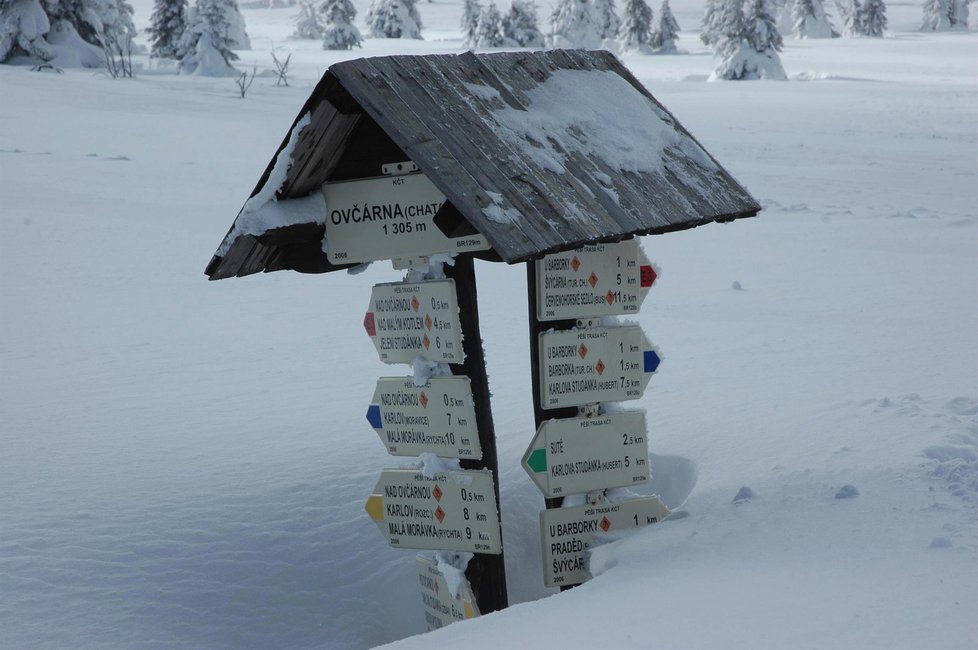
(486, 573)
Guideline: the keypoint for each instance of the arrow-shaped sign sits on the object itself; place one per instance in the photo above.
(406, 320)
(441, 606)
(601, 364)
(592, 281)
(436, 418)
(449, 511)
(568, 533)
(579, 455)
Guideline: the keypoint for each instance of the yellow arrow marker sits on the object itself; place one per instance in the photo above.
(469, 612)
(375, 507)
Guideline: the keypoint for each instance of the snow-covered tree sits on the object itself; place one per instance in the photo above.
(520, 25)
(712, 22)
(573, 24)
(607, 16)
(393, 19)
(635, 32)
(849, 12)
(959, 14)
(471, 10)
(166, 26)
(23, 26)
(872, 18)
(308, 23)
(206, 46)
(748, 43)
(489, 31)
(665, 34)
(810, 20)
(339, 32)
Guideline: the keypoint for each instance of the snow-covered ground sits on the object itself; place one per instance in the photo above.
(184, 464)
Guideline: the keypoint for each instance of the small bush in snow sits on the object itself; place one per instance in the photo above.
(393, 19)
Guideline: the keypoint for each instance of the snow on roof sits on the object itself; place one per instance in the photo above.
(539, 151)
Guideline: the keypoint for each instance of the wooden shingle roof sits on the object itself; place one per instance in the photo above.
(539, 151)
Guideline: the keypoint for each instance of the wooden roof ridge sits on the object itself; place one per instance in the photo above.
(444, 112)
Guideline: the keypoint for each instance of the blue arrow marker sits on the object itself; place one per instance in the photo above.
(373, 416)
(651, 361)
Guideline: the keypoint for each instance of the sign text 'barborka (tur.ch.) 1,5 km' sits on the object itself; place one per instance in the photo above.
(392, 217)
(580, 455)
(568, 533)
(593, 281)
(600, 364)
(449, 511)
(437, 417)
(407, 320)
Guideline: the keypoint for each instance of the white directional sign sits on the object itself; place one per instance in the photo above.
(441, 606)
(579, 455)
(393, 217)
(436, 418)
(450, 511)
(568, 533)
(415, 319)
(601, 364)
(596, 280)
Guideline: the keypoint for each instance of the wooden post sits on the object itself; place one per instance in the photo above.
(486, 573)
(536, 327)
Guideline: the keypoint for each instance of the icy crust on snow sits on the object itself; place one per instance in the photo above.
(263, 212)
(593, 113)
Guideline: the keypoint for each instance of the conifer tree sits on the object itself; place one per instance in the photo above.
(489, 30)
(872, 18)
(712, 22)
(167, 25)
(205, 47)
(520, 25)
(471, 10)
(574, 24)
(393, 19)
(748, 44)
(339, 32)
(308, 23)
(959, 14)
(23, 27)
(607, 17)
(810, 20)
(850, 12)
(664, 36)
(635, 32)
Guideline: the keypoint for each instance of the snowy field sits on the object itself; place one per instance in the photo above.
(184, 464)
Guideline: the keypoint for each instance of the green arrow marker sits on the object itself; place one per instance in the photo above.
(537, 461)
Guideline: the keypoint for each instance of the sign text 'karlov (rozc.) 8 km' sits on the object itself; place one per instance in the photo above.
(392, 217)
(415, 319)
(441, 606)
(579, 455)
(449, 511)
(437, 418)
(568, 533)
(600, 364)
(595, 280)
